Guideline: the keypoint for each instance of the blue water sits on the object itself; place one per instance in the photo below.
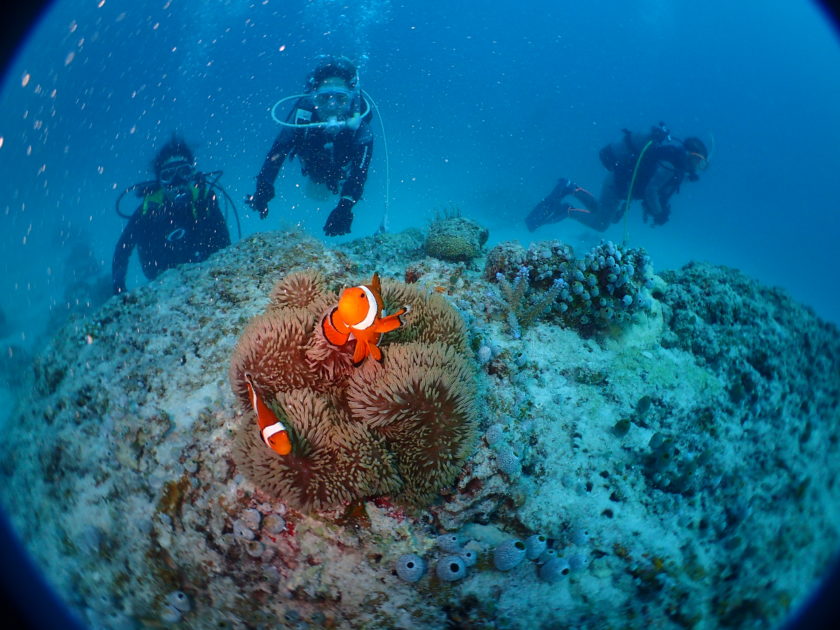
(484, 104)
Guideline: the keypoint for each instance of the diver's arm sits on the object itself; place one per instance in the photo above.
(340, 219)
(276, 155)
(122, 253)
(354, 185)
(268, 173)
(656, 195)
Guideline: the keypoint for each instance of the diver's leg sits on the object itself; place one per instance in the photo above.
(551, 209)
(586, 198)
(597, 215)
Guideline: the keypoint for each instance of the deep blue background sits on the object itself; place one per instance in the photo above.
(485, 105)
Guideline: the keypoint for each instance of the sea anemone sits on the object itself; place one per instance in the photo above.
(401, 427)
(272, 350)
(301, 289)
(431, 319)
(333, 460)
(421, 401)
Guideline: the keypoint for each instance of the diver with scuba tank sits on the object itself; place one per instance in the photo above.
(178, 220)
(328, 129)
(648, 167)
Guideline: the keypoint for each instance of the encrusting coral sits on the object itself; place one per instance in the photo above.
(455, 238)
(402, 427)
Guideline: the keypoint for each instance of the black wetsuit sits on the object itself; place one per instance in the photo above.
(662, 168)
(168, 232)
(340, 161)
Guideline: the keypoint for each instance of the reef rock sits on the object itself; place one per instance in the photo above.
(681, 476)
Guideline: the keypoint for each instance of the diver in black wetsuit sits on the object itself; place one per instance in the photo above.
(178, 221)
(654, 165)
(328, 129)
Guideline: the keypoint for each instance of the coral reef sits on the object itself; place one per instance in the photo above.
(455, 238)
(680, 477)
(604, 289)
(524, 307)
(401, 427)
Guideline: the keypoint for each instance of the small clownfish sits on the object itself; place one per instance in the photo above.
(359, 316)
(273, 433)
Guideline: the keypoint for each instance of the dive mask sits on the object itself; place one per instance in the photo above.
(334, 98)
(176, 172)
(701, 161)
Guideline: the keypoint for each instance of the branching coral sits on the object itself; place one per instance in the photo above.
(401, 427)
(524, 307)
(607, 287)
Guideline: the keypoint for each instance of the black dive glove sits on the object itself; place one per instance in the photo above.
(662, 219)
(657, 219)
(340, 219)
(259, 200)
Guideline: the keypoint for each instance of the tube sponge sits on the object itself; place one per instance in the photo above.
(535, 545)
(179, 601)
(509, 554)
(554, 570)
(450, 543)
(451, 568)
(410, 567)
(469, 556)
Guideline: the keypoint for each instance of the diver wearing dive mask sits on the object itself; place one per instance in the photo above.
(328, 130)
(178, 221)
(648, 167)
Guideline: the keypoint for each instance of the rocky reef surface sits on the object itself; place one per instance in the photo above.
(678, 470)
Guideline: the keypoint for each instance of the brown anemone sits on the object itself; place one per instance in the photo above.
(402, 427)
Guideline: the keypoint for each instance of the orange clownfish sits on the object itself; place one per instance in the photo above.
(360, 316)
(273, 433)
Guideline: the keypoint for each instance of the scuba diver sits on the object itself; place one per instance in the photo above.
(649, 167)
(179, 219)
(328, 129)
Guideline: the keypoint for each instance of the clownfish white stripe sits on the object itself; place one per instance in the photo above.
(272, 430)
(252, 391)
(370, 317)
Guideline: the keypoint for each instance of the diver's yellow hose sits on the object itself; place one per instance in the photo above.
(630, 191)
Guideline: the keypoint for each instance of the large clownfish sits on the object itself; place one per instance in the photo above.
(360, 316)
(273, 432)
